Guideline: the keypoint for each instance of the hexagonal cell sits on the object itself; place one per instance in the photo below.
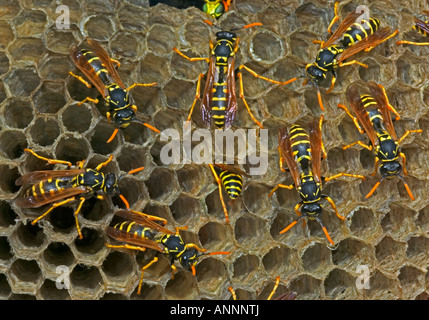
(7, 34)
(185, 208)
(27, 49)
(180, 94)
(149, 292)
(30, 235)
(153, 68)
(182, 287)
(162, 185)
(45, 131)
(4, 63)
(249, 230)
(7, 215)
(133, 17)
(30, 22)
(317, 259)
(412, 281)
(59, 41)
(340, 285)
(281, 261)
(22, 82)
(364, 224)
(9, 175)
(62, 220)
(100, 27)
(99, 136)
(71, 149)
(191, 178)
(55, 67)
(351, 252)
(408, 69)
(13, 143)
(18, 113)
(49, 291)
(92, 242)
(266, 47)
(85, 278)
(49, 98)
(382, 287)
(399, 222)
(5, 289)
(390, 253)
(161, 39)
(5, 249)
(422, 220)
(215, 236)
(418, 250)
(256, 200)
(25, 273)
(306, 287)
(245, 267)
(73, 112)
(58, 253)
(126, 45)
(211, 273)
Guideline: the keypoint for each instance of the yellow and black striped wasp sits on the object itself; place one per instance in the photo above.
(351, 37)
(219, 101)
(373, 115)
(302, 153)
(290, 295)
(421, 27)
(99, 68)
(231, 179)
(60, 187)
(216, 8)
(140, 231)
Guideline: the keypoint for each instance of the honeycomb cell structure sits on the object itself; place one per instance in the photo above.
(384, 237)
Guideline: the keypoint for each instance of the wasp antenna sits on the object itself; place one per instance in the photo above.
(209, 22)
(216, 253)
(124, 201)
(135, 170)
(406, 187)
(319, 98)
(325, 231)
(193, 270)
(248, 26)
(113, 135)
(375, 187)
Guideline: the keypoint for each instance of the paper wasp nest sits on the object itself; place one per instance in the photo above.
(387, 233)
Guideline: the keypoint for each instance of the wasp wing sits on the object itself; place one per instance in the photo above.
(361, 114)
(32, 201)
(286, 153)
(345, 24)
(231, 107)
(423, 25)
(106, 61)
(82, 63)
(37, 176)
(129, 238)
(141, 219)
(371, 41)
(383, 105)
(206, 102)
(316, 148)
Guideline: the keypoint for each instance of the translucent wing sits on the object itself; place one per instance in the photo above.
(206, 102)
(316, 148)
(286, 153)
(141, 219)
(231, 108)
(345, 24)
(37, 176)
(129, 238)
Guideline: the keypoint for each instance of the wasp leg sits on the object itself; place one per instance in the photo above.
(55, 205)
(335, 19)
(407, 133)
(50, 161)
(150, 217)
(87, 99)
(103, 164)
(197, 97)
(155, 259)
(276, 285)
(290, 187)
(219, 182)
(391, 108)
(377, 159)
(355, 120)
(385, 39)
(342, 174)
(141, 85)
(334, 207)
(348, 63)
(118, 64)
(82, 200)
(333, 80)
(240, 78)
(81, 79)
(234, 297)
(413, 43)
(359, 143)
(300, 217)
(256, 75)
(193, 245)
(320, 128)
(190, 59)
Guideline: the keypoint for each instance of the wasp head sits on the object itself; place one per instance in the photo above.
(226, 35)
(111, 184)
(311, 209)
(390, 169)
(214, 8)
(189, 258)
(315, 73)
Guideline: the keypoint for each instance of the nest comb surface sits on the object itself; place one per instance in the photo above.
(38, 99)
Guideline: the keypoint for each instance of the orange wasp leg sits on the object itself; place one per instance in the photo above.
(335, 19)
(103, 164)
(334, 207)
(359, 143)
(413, 43)
(342, 174)
(276, 285)
(240, 78)
(55, 205)
(355, 120)
(50, 161)
(154, 260)
(290, 187)
(141, 85)
(219, 182)
(81, 79)
(407, 133)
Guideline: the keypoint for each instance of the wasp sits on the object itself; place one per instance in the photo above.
(140, 231)
(373, 115)
(283, 296)
(351, 37)
(302, 153)
(100, 69)
(229, 178)
(216, 8)
(219, 102)
(60, 187)
(421, 27)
